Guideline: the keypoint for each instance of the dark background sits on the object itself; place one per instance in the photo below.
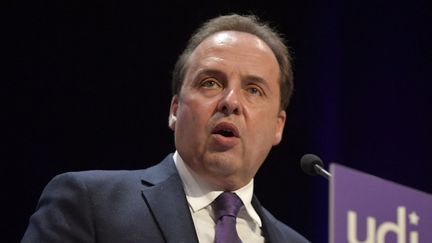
(87, 86)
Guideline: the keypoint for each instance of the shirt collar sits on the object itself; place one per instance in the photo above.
(200, 194)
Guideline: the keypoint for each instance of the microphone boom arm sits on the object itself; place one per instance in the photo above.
(321, 171)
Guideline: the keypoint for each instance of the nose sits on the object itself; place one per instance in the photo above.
(230, 103)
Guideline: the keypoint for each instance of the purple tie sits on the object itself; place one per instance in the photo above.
(226, 207)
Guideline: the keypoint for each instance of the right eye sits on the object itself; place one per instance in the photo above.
(210, 83)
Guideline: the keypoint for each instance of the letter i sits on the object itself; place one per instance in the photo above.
(414, 237)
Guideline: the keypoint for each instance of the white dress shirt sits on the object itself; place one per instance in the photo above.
(200, 195)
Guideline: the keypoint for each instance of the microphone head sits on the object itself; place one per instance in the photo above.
(308, 162)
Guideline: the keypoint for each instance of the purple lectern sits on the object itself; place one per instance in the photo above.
(368, 209)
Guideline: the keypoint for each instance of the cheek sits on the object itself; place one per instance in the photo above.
(264, 131)
(186, 135)
(192, 116)
(185, 119)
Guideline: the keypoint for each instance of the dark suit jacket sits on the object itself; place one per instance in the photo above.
(126, 206)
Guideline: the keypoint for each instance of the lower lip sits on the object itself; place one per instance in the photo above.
(226, 142)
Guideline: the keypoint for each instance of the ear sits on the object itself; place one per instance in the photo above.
(280, 124)
(172, 119)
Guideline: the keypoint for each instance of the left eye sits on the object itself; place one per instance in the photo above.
(254, 91)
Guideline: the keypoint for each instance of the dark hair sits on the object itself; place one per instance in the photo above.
(242, 23)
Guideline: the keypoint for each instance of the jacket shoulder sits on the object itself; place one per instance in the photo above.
(82, 206)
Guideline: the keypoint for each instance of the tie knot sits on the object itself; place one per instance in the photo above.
(227, 204)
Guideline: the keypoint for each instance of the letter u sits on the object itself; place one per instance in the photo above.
(352, 229)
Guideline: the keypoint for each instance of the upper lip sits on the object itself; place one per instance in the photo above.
(227, 126)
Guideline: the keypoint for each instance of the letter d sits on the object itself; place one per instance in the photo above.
(399, 229)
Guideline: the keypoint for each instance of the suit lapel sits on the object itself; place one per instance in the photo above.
(167, 202)
(269, 231)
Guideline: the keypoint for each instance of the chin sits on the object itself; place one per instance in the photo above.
(223, 164)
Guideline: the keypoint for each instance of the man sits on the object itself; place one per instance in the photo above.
(230, 88)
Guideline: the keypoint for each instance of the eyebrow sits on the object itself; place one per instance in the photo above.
(209, 72)
(257, 79)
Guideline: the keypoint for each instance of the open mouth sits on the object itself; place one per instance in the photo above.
(225, 133)
(226, 129)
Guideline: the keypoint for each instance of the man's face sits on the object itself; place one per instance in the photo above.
(227, 115)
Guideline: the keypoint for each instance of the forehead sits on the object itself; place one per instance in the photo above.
(237, 50)
(233, 38)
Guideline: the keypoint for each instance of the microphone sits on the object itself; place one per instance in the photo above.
(313, 165)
